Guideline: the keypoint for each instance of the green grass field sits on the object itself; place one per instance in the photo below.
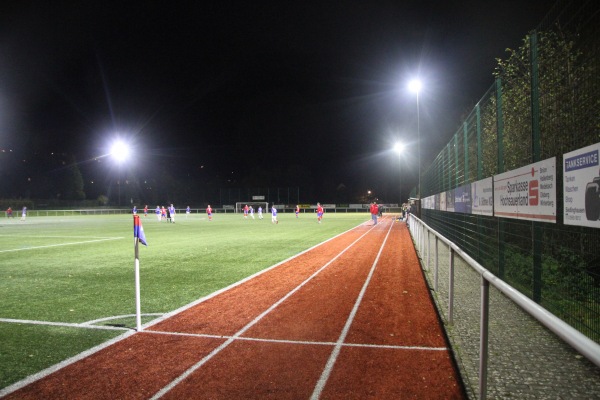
(81, 268)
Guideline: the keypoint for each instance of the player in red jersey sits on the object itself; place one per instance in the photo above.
(297, 210)
(246, 211)
(319, 212)
(209, 212)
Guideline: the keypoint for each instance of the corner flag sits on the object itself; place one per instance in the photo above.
(138, 230)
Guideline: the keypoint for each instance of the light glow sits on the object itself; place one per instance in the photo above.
(415, 86)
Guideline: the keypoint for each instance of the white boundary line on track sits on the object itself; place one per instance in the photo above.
(237, 335)
(340, 342)
(60, 244)
(54, 368)
(251, 339)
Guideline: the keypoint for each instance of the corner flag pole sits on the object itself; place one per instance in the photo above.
(138, 236)
(138, 307)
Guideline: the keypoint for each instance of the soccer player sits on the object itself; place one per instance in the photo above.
(163, 213)
(187, 211)
(134, 210)
(157, 212)
(319, 212)
(274, 215)
(146, 210)
(260, 216)
(9, 213)
(209, 212)
(172, 212)
(252, 212)
(246, 211)
(297, 210)
(23, 213)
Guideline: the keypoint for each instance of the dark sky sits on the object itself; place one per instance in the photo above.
(248, 88)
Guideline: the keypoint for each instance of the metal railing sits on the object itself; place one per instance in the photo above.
(422, 233)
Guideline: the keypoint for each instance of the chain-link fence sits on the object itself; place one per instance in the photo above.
(544, 103)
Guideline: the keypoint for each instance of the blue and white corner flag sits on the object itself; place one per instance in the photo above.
(138, 230)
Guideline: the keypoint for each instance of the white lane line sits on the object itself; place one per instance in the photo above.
(336, 350)
(238, 283)
(231, 339)
(60, 244)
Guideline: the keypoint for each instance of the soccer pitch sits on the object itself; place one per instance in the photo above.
(67, 283)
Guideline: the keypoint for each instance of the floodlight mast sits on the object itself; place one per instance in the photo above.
(119, 152)
(415, 87)
(399, 149)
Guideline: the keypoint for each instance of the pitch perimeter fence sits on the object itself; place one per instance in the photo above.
(510, 188)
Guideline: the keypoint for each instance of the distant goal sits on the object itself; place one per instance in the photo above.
(239, 207)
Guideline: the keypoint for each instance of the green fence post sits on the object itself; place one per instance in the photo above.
(466, 148)
(500, 141)
(535, 143)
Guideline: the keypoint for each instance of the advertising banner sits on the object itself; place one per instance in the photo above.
(527, 193)
(462, 199)
(581, 183)
(482, 195)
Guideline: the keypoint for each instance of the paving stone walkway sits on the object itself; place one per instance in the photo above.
(526, 360)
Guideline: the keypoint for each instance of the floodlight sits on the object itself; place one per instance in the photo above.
(415, 86)
(119, 151)
(399, 147)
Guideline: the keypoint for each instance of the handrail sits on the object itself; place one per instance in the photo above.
(584, 345)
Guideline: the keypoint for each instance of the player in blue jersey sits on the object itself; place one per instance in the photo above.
(260, 216)
(274, 215)
(187, 211)
(172, 213)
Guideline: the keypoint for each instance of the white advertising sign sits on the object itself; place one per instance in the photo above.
(443, 201)
(581, 183)
(527, 193)
(450, 200)
(482, 196)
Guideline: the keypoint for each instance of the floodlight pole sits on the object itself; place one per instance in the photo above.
(419, 148)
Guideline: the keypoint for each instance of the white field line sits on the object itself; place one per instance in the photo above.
(231, 339)
(32, 378)
(338, 347)
(61, 244)
(87, 324)
(67, 324)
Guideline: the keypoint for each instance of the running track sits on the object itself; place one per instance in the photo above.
(349, 319)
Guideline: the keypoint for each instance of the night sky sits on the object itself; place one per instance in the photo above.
(289, 91)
